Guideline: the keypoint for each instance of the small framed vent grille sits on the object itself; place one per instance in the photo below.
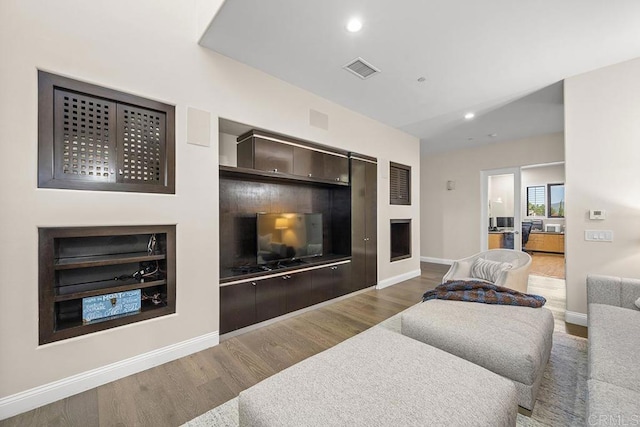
(94, 138)
(142, 135)
(399, 184)
(361, 68)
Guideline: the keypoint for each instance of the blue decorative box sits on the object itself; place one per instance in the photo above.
(105, 307)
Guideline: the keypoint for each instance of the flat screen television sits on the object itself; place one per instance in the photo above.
(288, 236)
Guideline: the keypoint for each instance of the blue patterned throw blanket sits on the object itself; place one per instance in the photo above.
(484, 292)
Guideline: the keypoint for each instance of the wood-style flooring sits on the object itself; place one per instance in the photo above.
(178, 391)
(546, 264)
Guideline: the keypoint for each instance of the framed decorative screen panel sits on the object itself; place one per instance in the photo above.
(142, 136)
(94, 138)
(399, 184)
(84, 137)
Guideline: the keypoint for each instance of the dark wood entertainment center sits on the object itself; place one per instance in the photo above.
(279, 174)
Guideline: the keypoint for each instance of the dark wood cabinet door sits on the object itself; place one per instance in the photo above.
(324, 287)
(371, 221)
(237, 306)
(308, 163)
(342, 279)
(336, 168)
(271, 298)
(299, 290)
(272, 156)
(358, 224)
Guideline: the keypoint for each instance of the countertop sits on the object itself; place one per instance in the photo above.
(532, 232)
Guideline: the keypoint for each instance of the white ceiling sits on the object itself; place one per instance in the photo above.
(502, 59)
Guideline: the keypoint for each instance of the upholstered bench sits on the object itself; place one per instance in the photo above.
(512, 341)
(380, 378)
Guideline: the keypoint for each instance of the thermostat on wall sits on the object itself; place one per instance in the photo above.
(597, 214)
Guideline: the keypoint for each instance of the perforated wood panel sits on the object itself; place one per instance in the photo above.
(399, 184)
(84, 137)
(142, 135)
(95, 138)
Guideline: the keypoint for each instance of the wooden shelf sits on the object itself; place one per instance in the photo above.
(108, 287)
(245, 173)
(71, 328)
(81, 262)
(102, 260)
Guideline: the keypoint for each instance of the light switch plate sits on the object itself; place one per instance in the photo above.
(598, 235)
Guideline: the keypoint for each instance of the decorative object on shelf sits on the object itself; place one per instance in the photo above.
(103, 307)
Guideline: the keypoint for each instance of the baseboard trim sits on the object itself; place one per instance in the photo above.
(436, 260)
(397, 279)
(48, 393)
(575, 318)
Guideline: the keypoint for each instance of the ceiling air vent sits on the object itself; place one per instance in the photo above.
(361, 68)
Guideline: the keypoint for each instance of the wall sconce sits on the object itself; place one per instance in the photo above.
(451, 185)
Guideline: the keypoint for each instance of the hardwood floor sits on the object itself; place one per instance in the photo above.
(178, 391)
(546, 264)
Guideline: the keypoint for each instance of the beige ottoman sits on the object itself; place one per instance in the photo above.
(512, 341)
(380, 378)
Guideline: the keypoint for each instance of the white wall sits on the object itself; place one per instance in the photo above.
(602, 111)
(146, 47)
(451, 219)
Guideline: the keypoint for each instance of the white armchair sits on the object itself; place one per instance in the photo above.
(516, 278)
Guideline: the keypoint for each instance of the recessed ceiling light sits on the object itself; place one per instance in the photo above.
(354, 25)
(469, 116)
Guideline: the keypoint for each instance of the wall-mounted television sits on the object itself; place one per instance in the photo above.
(288, 236)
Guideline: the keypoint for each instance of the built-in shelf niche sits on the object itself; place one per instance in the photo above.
(400, 239)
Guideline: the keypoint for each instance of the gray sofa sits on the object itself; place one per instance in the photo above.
(614, 351)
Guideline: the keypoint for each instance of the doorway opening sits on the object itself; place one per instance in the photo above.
(523, 209)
